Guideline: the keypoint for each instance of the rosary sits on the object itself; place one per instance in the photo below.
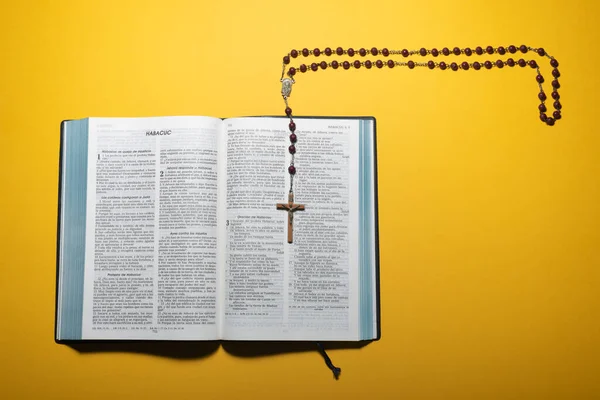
(286, 82)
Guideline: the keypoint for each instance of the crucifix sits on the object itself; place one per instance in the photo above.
(290, 207)
(386, 58)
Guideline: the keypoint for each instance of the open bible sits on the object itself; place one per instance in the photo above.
(168, 229)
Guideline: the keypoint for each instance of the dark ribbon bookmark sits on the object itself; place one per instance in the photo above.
(336, 371)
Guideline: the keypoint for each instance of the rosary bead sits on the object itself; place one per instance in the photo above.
(476, 66)
(464, 65)
(288, 111)
(423, 51)
(374, 51)
(446, 51)
(555, 95)
(314, 66)
(328, 51)
(430, 64)
(542, 108)
(292, 71)
(339, 51)
(501, 50)
(379, 64)
(499, 64)
(335, 64)
(294, 53)
(557, 105)
(550, 121)
(479, 50)
(292, 149)
(435, 52)
(293, 138)
(456, 51)
(542, 96)
(541, 52)
(523, 48)
(522, 62)
(305, 52)
(368, 64)
(323, 65)
(385, 52)
(556, 114)
(489, 50)
(292, 170)
(362, 52)
(454, 66)
(555, 73)
(510, 62)
(543, 117)
(411, 64)
(532, 64)
(539, 79)
(350, 52)
(292, 126)
(357, 64)
(555, 84)
(554, 63)
(286, 59)
(512, 49)
(302, 68)
(390, 64)
(317, 52)
(346, 65)
(487, 64)
(443, 65)
(405, 53)
(468, 51)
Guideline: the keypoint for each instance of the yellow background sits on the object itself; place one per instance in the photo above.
(489, 220)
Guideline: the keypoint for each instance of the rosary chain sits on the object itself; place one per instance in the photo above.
(430, 64)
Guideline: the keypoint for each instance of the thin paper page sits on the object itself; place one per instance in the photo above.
(151, 237)
(307, 290)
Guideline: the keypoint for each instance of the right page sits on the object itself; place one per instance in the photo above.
(323, 286)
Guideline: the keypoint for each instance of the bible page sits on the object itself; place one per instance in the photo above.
(151, 233)
(307, 290)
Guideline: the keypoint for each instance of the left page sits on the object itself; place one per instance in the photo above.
(151, 229)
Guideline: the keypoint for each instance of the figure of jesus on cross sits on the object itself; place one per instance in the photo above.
(290, 207)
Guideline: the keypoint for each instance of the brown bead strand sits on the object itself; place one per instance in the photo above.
(430, 64)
